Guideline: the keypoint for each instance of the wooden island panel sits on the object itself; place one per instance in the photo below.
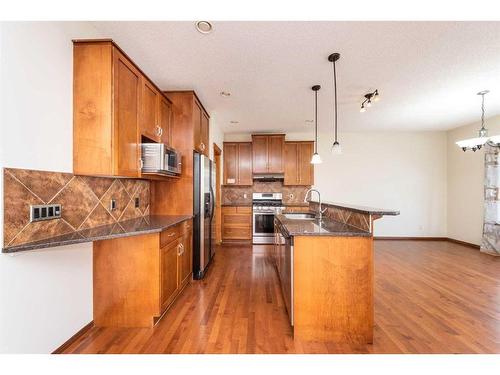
(333, 288)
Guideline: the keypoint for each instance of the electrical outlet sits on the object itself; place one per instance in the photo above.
(245, 196)
(112, 205)
(45, 212)
(290, 196)
(136, 202)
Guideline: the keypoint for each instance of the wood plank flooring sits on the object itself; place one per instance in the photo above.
(430, 297)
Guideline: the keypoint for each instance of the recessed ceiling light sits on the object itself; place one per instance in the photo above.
(234, 122)
(204, 27)
(225, 93)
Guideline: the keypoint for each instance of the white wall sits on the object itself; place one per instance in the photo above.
(45, 295)
(465, 206)
(399, 170)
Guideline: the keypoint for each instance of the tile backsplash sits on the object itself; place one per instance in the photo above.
(85, 202)
(236, 194)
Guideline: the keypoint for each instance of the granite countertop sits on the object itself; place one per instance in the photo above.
(143, 225)
(361, 209)
(327, 227)
(248, 204)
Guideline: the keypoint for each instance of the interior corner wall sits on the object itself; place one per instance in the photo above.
(465, 183)
(45, 295)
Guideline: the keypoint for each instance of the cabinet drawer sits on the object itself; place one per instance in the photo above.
(237, 233)
(170, 235)
(187, 226)
(236, 220)
(244, 210)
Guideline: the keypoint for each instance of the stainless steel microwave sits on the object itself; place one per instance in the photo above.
(159, 158)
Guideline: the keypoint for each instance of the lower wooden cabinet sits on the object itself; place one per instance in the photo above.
(169, 280)
(236, 223)
(137, 278)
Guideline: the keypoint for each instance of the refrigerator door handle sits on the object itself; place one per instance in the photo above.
(212, 203)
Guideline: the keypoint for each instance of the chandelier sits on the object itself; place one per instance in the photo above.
(475, 144)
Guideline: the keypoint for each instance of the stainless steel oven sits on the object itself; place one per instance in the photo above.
(265, 206)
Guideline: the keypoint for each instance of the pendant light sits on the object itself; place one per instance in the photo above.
(316, 159)
(336, 149)
(476, 143)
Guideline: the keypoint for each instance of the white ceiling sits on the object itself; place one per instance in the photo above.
(427, 72)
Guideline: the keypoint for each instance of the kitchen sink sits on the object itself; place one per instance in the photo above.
(299, 216)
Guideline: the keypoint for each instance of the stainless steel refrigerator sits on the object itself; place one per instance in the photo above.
(204, 209)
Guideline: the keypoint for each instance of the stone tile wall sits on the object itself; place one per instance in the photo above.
(85, 202)
(490, 243)
(342, 215)
(235, 194)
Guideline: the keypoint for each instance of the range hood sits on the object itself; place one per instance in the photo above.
(269, 177)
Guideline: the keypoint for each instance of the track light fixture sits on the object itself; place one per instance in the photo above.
(369, 98)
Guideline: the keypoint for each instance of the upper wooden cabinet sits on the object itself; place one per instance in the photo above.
(298, 167)
(237, 163)
(191, 122)
(165, 121)
(114, 103)
(268, 153)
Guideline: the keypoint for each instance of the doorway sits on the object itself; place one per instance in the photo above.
(218, 204)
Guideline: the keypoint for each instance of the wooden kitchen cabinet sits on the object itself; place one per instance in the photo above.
(204, 133)
(165, 120)
(298, 167)
(190, 122)
(236, 223)
(114, 103)
(150, 112)
(169, 278)
(238, 163)
(268, 153)
(201, 131)
(148, 271)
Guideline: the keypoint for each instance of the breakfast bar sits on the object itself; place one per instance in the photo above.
(325, 267)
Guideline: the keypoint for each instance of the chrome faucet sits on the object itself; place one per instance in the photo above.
(320, 212)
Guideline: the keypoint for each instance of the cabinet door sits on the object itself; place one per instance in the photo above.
(127, 85)
(165, 121)
(276, 146)
(306, 169)
(149, 119)
(169, 279)
(230, 163)
(259, 153)
(204, 133)
(198, 143)
(245, 163)
(185, 260)
(291, 167)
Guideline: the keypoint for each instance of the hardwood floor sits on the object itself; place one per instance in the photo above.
(430, 297)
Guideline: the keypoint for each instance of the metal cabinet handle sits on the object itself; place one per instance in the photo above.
(161, 131)
(202, 145)
(171, 234)
(179, 249)
(158, 130)
(141, 163)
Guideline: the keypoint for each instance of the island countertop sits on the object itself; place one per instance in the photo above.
(360, 209)
(327, 227)
(133, 227)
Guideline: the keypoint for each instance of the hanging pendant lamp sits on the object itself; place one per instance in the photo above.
(316, 159)
(475, 144)
(336, 149)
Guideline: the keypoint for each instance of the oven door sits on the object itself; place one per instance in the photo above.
(263, 224)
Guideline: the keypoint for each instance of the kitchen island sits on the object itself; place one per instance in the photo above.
(326, 272)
